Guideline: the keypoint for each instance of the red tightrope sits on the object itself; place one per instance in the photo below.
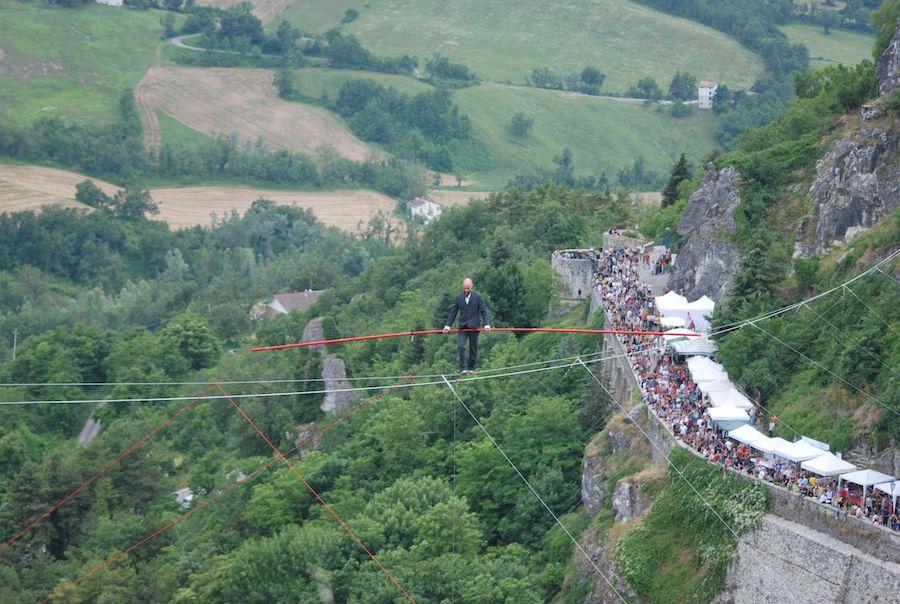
(215, 497)
(431, 332)
(115, 461)
(318, 497)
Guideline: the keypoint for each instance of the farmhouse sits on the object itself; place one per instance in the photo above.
(425, 208)
(706, 90)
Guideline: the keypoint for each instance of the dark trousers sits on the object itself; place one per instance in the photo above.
(472, 337)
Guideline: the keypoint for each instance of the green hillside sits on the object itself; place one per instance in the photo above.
(72, 63)
(840, 46)
(604, 135)
(505, 41)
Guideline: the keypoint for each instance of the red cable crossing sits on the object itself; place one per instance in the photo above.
(431, 332)
(215, 497)
(106, 468)
(318, 497)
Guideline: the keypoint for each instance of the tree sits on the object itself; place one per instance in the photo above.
(90, 194)
(520, 125)
(168, 23)
(132, 204)
(287, 37)
(591, 80)
(683, 87)
(721, 100)
(646, 88)
(193, 337)
(680, 171)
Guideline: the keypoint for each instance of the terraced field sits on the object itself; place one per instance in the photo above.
(27, 188)
(243, 101)
(504, 40)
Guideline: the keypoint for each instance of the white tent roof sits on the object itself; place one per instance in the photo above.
(798, 451)
(727, 414)
(671, 322)
(827, 464)
(866, 478)
(816, 443)
(746, 434)
(671, 304)
(768, 445)
(729, 398)
(678, 334)
(703, 303)
(718, 385)
(695, 363)
(708, 374)
(885, 487)
(694, 346)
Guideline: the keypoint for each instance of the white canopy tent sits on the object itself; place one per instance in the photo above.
(728, 418)
(768, 445)
(891, 488)
(696, 363)
(816, 443)
(679, 333)
(672, 305)
(746, 434)
(708, 374)
(670, 322)
(694, 346)
(730, 398)
(700, 311)
(865, 479)
(798, 451)
(720, 385)
(827, 464)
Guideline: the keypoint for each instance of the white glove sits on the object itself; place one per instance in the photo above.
(487, 327)
(446, 329)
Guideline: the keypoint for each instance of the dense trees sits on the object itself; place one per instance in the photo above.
(681, 171)
(587, 81)
(683, 87)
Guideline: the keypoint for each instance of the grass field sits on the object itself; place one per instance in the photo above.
(175, 133)
(604, 135)
(24, 188)
(505, 40)
(839, 46)
(221, 101)
(72, 63)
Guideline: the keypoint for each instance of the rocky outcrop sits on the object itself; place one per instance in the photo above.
(785, 561)
(888, 68)
(334, 372)
(857, 183)
(708, 260)
(629, 500)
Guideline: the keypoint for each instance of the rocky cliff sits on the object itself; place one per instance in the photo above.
(334, 373)
(708, 260)
(888, 68)
(858, 180)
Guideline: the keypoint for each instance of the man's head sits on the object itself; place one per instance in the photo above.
(467, 286)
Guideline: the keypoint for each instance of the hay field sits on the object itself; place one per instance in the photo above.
(24, 188)
(453, 198)
(193, 206)
(222, 101)
(266, 10)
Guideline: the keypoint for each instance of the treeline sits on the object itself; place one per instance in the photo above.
(637, 177)
(116, 152)
(417, 127)
(587, 81)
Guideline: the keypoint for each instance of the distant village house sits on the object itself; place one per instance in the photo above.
(706, 90)
(425, 208)
(111, 2)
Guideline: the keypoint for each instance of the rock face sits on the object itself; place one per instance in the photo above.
(629, 501)
(857, 183)
(707, 262)
(785, 561)
(334, 372)
(888, 68)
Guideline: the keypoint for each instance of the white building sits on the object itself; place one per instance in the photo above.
(706, 90)
(425, 208)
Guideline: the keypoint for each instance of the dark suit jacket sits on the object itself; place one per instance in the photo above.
(469, 313)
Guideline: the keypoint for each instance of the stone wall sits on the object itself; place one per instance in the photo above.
(577, 277)
(784, 561)
(613, 241)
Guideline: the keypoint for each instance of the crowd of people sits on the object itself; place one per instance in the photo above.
(670, 393)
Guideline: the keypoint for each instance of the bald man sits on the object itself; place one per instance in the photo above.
(473, 313)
